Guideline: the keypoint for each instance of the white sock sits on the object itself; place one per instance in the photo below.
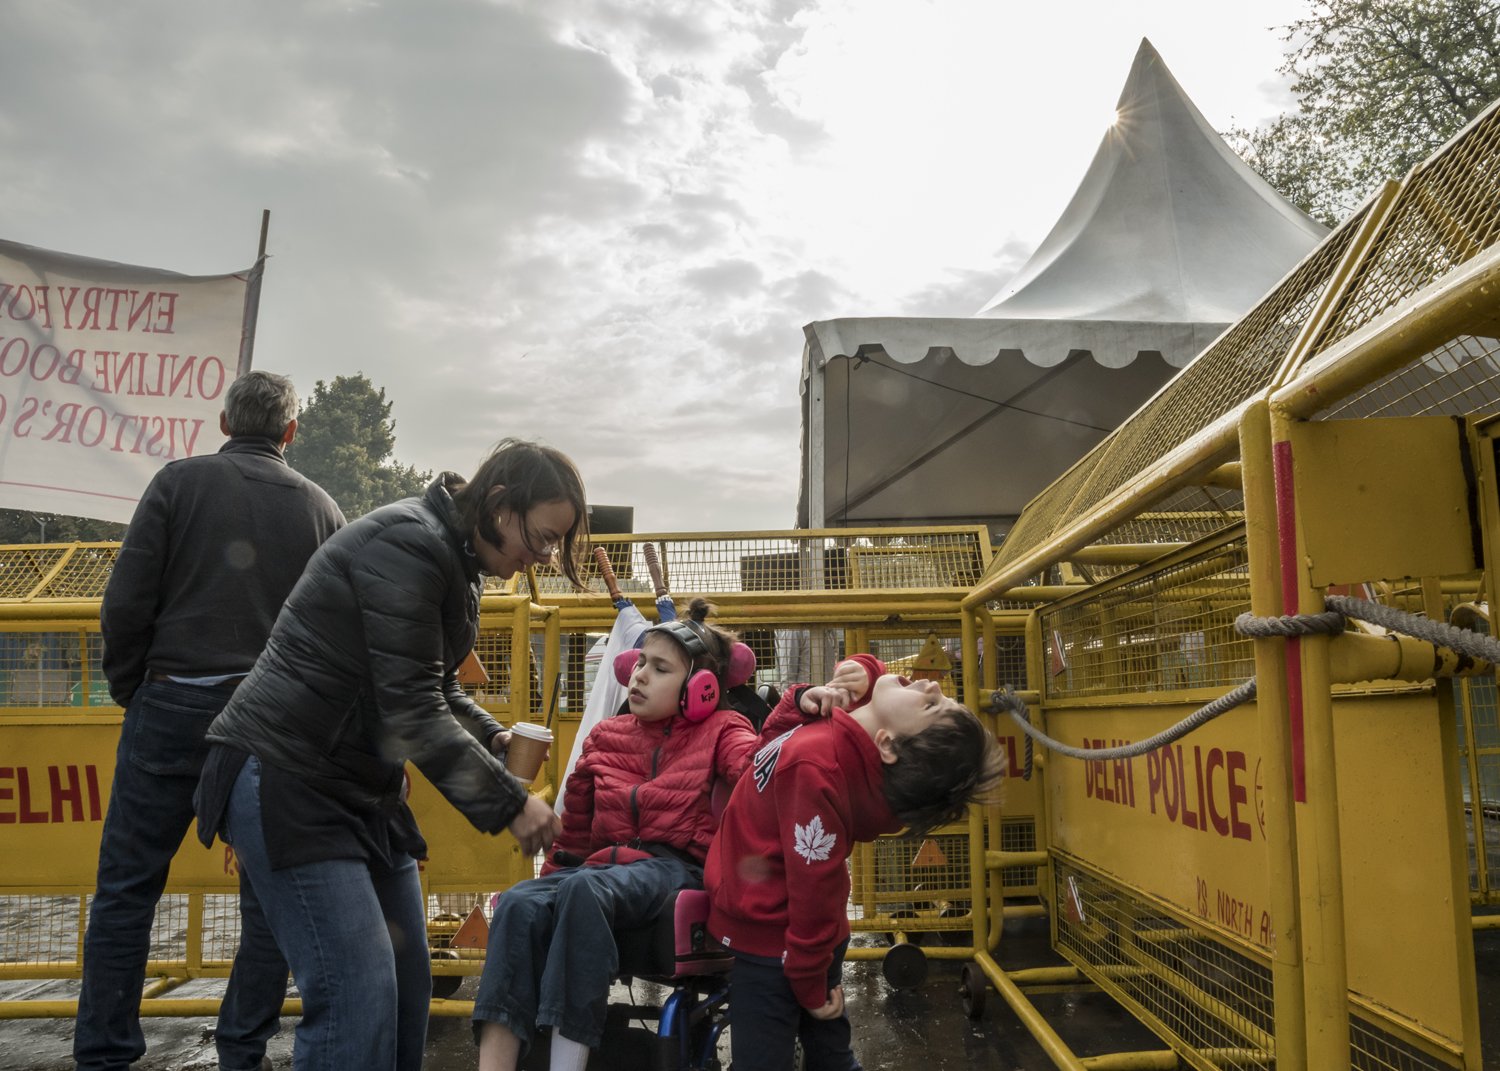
(567, 1054)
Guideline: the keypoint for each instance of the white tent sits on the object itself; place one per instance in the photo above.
(1168, 240)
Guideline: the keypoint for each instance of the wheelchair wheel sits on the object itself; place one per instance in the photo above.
(972, 990)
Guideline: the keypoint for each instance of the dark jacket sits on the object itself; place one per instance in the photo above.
(359, 674)
(214, 547)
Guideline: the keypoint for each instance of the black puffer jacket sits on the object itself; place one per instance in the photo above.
(359, 674)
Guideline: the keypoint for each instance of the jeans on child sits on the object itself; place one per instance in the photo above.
(766, 1020)
(355, 934)
(552, 955)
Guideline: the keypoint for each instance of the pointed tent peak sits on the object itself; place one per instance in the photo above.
(1169, 225)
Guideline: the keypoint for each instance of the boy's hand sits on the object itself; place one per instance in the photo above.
(852, 678)
(834, 1008)
(822, 698)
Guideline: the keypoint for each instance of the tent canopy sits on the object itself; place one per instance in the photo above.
(1168, 240)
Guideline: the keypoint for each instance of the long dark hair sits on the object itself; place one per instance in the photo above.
(530, 474)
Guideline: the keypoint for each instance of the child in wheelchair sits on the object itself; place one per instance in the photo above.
(637, 822)
(865, 754)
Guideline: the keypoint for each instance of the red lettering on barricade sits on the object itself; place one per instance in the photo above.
(1216, 781)
(72, 795)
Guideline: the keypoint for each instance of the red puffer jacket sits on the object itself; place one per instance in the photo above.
(651, 783)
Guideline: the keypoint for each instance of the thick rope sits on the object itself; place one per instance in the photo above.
(1012, 704)
(1329, 622)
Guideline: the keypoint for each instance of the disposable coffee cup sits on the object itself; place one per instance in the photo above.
(528, 750)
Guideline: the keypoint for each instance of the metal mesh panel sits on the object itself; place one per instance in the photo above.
(84, 573)
(1240, 363)
(1217, 1000)
(22, 568)
(221, 927)
(1166, 630)
(1477, 708)
(900, 559)
(40, 929)
(1018, 835)
(1372, 1048)
(47, 669)
(1010, 661)
(1448, 210)
(912, 886)
(1460, 377)
(1189, 514)
(1046, 513)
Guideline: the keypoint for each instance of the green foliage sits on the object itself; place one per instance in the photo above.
(24, 526)
(1380, 85)
(345, 438)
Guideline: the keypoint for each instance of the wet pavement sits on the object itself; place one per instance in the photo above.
(923, 1027)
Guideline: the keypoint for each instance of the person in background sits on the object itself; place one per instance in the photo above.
(214, 547)
(307, 777)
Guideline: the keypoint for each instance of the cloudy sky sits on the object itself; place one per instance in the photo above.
(602, 223)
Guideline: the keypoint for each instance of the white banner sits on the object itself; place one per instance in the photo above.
(107, 372)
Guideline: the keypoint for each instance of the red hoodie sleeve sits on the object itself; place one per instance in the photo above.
(815, 844)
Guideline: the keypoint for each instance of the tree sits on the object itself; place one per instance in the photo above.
(1380, 84)
(25, 526)
(345, 438)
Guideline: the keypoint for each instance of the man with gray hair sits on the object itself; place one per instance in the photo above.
(214, 548)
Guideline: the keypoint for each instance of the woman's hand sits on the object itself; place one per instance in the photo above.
(834, 1008)
(536, 826)
(500, 742)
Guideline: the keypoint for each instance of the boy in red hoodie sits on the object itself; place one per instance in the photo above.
(865, 754)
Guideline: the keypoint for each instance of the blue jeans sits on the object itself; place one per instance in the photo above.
(552, 955)
(766, 1021)
(157, 764)
(355, 934)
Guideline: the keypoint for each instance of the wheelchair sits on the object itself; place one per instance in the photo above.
(675, 950)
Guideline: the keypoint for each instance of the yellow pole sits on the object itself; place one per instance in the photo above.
(1272, 717)
(1314, 769)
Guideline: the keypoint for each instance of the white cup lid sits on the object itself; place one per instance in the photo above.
(531, 731)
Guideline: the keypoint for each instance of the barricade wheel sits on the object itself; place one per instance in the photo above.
(972, 988)
(904, 966)
(445, 985)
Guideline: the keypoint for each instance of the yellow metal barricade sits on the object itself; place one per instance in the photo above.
(1289, 884)
(801, 599)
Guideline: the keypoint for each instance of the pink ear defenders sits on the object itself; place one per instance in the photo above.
(700, 693)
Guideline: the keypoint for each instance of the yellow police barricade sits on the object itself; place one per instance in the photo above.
(1279, 875)
(803, 599)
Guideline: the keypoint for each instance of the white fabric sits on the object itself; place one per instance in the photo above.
(1168, 240)
(607, 694)
(107, 372)
(567, 1054)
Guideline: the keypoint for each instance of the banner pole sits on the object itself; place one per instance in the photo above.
(252, 298)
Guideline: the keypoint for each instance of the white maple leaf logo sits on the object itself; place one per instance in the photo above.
(813, 843)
